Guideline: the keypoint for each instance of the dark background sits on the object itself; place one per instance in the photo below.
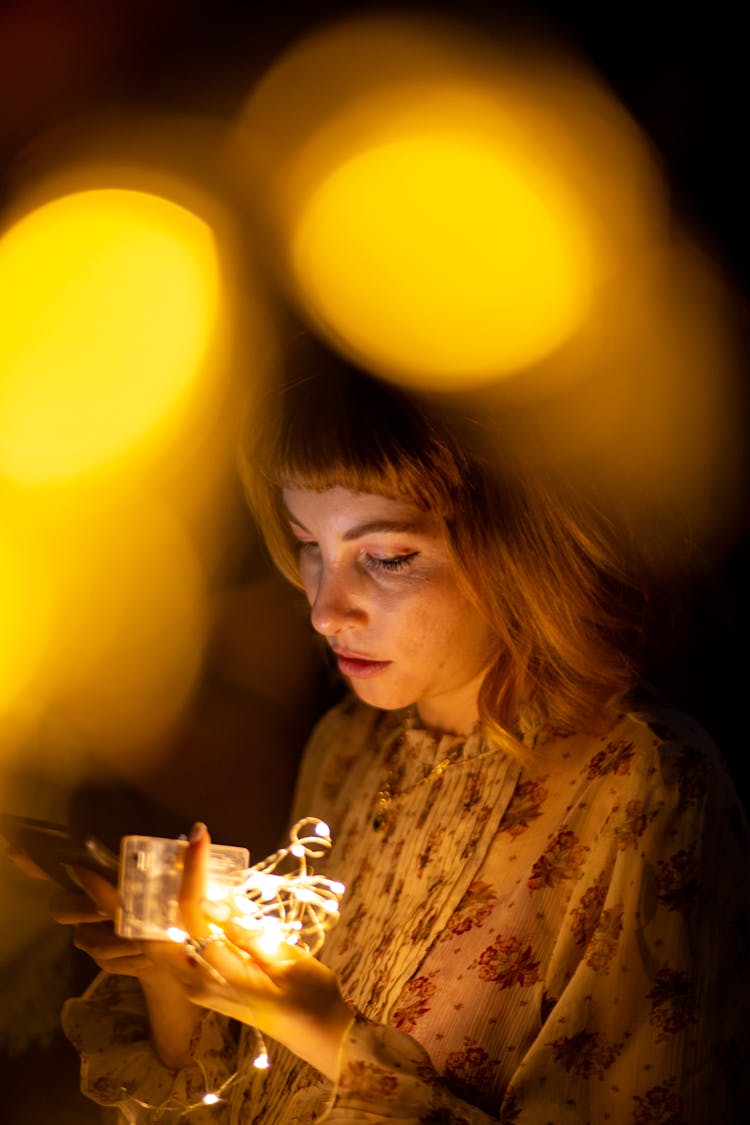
(682, 76)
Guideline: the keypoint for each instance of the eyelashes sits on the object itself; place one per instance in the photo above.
(398, 562)
(373, 562)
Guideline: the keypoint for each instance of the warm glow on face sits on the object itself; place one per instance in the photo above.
(109, 302)
(441, 257)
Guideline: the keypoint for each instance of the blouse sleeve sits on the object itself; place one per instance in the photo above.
(642, 1014)
(109, 1028)
(385, 1075)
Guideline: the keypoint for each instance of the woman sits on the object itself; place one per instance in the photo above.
(544, 910)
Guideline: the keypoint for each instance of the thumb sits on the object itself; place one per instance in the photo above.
(194, 879)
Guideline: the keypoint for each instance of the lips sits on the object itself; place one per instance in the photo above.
(359, 667)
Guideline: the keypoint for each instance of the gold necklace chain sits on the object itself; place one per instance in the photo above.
(388, 794)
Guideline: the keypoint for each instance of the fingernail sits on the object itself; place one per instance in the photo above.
(197, 832)
(192, 961)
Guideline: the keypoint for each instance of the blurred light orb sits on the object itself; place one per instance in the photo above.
(444, 258)
(24, 612)
(110, 301)
(127, 645)
(104, 626)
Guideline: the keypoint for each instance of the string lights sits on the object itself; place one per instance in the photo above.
(277, 901)
(281, 900)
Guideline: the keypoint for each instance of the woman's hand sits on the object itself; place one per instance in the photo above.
(287, 994)
(91, 914)
(160, 966)
(172, 1015)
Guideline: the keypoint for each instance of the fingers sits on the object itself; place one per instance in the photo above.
(99, 940)
(268, 951)
(194, 877)
(99, 890)
(71, 909)
(23, 863)
(110, 952)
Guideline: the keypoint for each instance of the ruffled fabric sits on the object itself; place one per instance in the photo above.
(108, 1025)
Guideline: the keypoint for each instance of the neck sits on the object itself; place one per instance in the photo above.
(453, 712)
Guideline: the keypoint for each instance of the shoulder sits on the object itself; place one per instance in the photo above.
(676, 751)
(664, 762)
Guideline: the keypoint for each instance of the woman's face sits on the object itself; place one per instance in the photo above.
(383, 592)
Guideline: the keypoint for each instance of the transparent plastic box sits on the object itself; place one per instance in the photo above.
(149, 883)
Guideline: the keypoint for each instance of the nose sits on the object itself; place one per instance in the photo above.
(334, 604)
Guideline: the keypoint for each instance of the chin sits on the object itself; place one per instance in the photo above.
(380, 696)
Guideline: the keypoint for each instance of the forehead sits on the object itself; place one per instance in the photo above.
(339, 510)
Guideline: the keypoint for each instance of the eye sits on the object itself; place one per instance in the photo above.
(397, 562)
(299, 539)
(305, 547)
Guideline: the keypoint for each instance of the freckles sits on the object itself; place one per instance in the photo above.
(425, 620)
(425, 636)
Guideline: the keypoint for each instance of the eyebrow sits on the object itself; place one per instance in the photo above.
(370, 527)
(373, 526)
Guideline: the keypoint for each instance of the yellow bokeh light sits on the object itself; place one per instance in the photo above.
(103, 623)
(110, 301)
(24, 611)
(444, 257)
(130, 623)
(442, 206)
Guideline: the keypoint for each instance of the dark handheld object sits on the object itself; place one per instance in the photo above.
(54, 847)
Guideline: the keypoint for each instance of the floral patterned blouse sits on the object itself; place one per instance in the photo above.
(560, 942)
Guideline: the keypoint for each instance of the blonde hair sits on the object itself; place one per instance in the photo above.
(542, 565)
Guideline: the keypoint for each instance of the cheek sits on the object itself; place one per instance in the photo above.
(427, 627)
(448, 631)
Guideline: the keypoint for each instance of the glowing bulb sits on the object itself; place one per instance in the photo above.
(297, 850)
(210, 1099)
(262, 1061)
(215, 892)
(302, 894)
(272, 936)
(269, 889)
(174, 933)
(337, 888)
(330, 907)
(322, 829)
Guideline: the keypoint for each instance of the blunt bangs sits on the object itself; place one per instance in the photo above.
(344, 429)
